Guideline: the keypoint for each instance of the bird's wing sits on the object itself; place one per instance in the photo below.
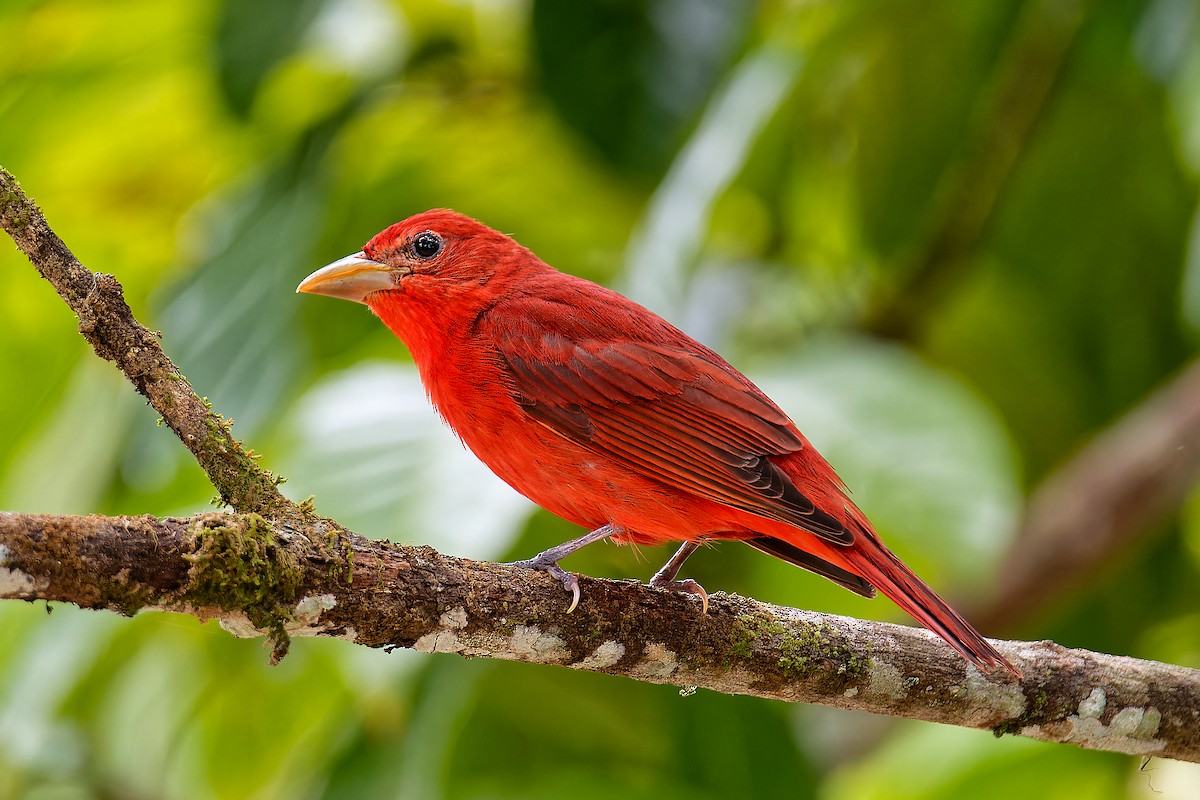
(672, 412)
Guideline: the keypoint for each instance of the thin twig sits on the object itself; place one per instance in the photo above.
(107, 323)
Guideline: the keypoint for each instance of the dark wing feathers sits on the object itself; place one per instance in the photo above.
(744, 456)
(794, 555)
(672, 414)
(569, 420)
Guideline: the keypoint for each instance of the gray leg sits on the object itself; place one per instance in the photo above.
(547, 560)
(665, 577)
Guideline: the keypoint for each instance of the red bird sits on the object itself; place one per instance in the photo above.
(600, 411)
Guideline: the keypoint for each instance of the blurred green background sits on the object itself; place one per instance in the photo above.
(953, 240)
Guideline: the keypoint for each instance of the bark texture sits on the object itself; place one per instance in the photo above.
(319, 581)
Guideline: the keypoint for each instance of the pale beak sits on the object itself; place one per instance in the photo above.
(350, 278)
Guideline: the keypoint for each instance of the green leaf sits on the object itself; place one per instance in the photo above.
(368, 444)
(630, 75)
(252, 39)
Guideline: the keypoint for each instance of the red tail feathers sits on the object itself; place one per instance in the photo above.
(889, 575)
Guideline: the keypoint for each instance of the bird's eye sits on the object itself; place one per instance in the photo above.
(427, 244)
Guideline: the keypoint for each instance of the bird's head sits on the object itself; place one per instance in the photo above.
(438, 255)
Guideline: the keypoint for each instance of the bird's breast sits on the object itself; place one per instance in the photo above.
(472, 394)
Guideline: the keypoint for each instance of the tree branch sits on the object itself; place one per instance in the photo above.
(107, 323)
(237, 569)
(285, 571)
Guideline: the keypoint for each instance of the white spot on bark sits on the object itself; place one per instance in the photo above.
(1131, 730)
(446, 638)
(1093, 705)
(1136, 722)
(455, 618)
(657, 664)
(239, 625)
(985, 697)
(885, 680)
(438, 642)
(528, 641)
(306, 618)
(309, 609)
(604, 656)
(14, 582)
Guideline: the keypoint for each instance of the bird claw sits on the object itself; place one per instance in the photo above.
(687, 586)
(569, 581)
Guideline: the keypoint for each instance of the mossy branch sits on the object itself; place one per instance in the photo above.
(279, 570)
(238, 569)
(108, 325)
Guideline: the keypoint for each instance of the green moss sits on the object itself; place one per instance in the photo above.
(243, 484)
(13, 199)
(745, 633)
(218, 427)
(595, 635)
(240, 567)
(814, 645)
(124, 597)
(802, 648)
(338, 549)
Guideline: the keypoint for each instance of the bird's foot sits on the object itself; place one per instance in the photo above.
(687, 586)
(569, 581)
(547, 560)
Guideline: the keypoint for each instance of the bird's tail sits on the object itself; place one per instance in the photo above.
(901, 585)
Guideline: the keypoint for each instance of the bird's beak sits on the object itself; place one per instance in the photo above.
(350, 278)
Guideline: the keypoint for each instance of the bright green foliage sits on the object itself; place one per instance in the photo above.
(780, 178)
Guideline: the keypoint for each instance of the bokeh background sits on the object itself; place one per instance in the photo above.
(954, 240)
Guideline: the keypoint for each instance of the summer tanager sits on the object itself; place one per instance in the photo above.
(605, 414)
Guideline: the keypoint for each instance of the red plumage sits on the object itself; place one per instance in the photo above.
(603, 413)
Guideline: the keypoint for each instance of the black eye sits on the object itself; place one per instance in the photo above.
(427, 244)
